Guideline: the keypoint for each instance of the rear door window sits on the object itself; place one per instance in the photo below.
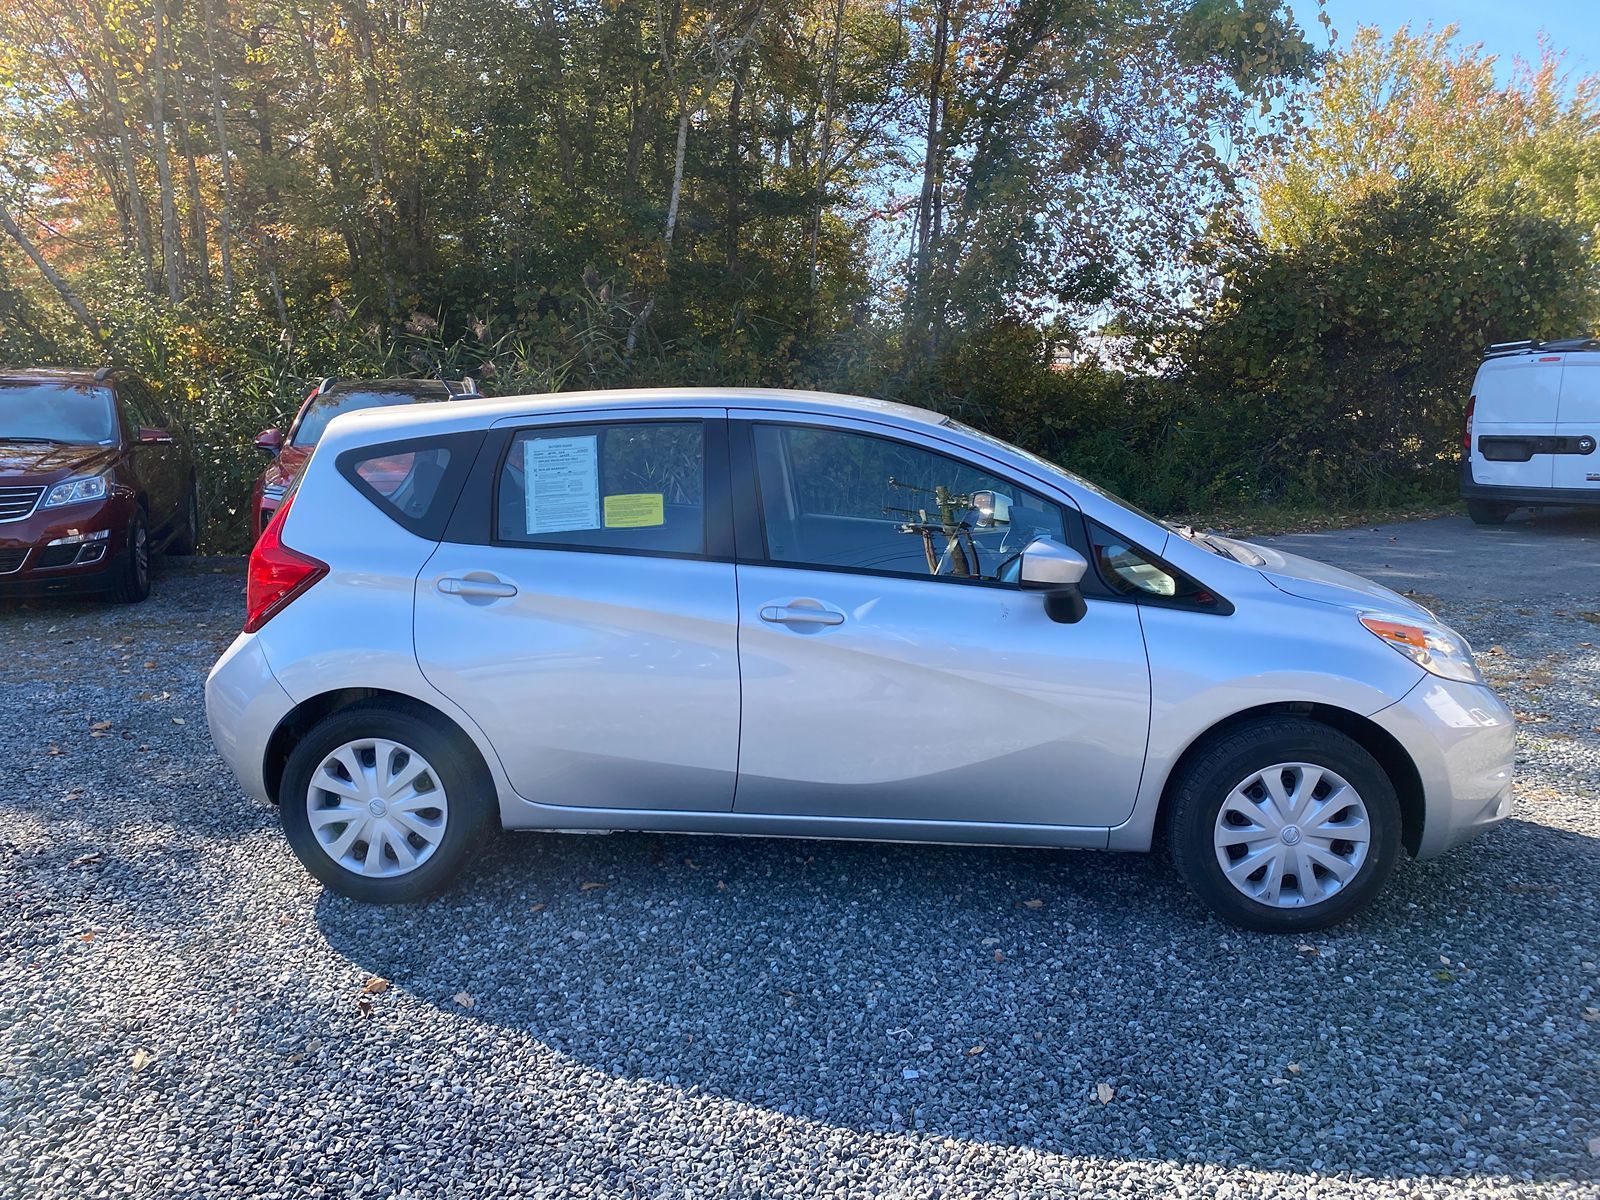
(415, 482)
(635, 487)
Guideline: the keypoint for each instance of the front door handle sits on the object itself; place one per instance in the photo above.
(493, 588)
(800, 614)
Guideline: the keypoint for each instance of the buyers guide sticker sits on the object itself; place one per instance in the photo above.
(563, 477)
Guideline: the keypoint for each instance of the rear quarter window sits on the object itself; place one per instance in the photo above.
(417, 482)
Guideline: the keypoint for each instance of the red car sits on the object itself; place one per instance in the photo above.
(322, 403)
(92, 479)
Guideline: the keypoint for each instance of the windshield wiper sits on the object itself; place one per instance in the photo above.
(44, 441)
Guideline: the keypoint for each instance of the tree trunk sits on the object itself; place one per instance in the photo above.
(62, 287)
(825, 148)
(171, 247)
(927, 203)
(130, 167)
(225, 217)
(731, 165)
(677, 170)
(197, 204)
(375, 159)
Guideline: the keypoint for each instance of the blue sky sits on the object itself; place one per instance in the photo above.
(1506, 28)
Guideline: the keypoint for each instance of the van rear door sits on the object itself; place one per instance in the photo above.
(1578, 424)
(1517, 398)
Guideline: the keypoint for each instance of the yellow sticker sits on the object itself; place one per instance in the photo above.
(635, 510)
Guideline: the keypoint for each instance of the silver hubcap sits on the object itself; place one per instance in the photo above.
(1292, 835)
(377, 808)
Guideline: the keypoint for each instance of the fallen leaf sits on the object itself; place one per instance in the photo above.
(148, 665)
(593, 887)
(374, 986)
(142, 1058)
(364, 1006)
(1104, 1092)
(1308, 948)
(179, 721)
(538, 908)
(296, 1057)
(464, 1000)
(101, 725)
(998, 957)
(89, 937)
(974, 1050)
(55, 751)
(94, 733)
(691, 864)
(88, 860)
(1033, 904)
(722, 885)
(1294, 1068)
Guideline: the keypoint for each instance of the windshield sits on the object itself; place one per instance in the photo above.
(78, 414)
(1056, 468)
(1223, 547)
(325, 408)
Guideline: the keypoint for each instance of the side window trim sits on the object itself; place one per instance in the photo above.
(476, 519)
(749, 507)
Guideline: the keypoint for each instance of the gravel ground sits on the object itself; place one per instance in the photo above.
(183, 1013)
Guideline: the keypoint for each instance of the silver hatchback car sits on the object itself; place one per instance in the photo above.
(797, 614)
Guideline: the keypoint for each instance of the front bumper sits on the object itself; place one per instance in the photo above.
(63, 549)
(245, 704)
(1463, 740)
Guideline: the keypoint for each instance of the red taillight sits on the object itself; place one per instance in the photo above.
(1466, 426)
(277, 574)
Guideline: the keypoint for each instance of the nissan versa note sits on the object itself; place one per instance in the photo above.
(786, 613)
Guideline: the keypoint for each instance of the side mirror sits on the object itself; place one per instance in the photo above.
(269, 442)
(1056, 570)
(994, 509)
(149, 436)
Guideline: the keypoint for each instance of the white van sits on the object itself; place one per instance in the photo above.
(1531, 427)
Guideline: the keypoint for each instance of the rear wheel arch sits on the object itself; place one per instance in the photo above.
(309, 713)
(1370, 736)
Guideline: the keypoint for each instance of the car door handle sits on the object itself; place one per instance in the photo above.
(495, 588)
(798, 614)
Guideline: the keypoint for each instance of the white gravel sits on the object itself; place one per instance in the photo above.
(182, 1010)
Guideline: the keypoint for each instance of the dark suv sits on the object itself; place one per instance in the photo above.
(93, 478)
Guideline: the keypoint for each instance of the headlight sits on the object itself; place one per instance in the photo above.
(71, 491)
(1432, 647)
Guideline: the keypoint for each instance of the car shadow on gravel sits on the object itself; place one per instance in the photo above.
(995, 995)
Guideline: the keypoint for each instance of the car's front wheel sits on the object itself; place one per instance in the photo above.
(130, 580)
(381, 806)
(1284, 825)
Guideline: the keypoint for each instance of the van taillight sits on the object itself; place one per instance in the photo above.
(277, 574)
(1466, 426)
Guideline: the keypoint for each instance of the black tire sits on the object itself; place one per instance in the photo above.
(185, 539)
(130, 581)
(1208, 778)
(1489, 512)
(469, 810)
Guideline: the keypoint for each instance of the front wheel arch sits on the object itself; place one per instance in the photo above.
(1370, 736)
(309, 713)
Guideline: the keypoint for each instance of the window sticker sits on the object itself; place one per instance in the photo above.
(563, 483)
(635, 511)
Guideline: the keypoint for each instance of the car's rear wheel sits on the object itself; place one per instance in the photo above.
(1489, 512)
(131, 576)
(1284, 825)
(185, 538)
(381, 806)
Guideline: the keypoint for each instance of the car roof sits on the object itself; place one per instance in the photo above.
(417, 388)
(481, 412)
(69, 375)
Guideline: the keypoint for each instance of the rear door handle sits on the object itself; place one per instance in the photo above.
(799, 614)
(494, 588)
